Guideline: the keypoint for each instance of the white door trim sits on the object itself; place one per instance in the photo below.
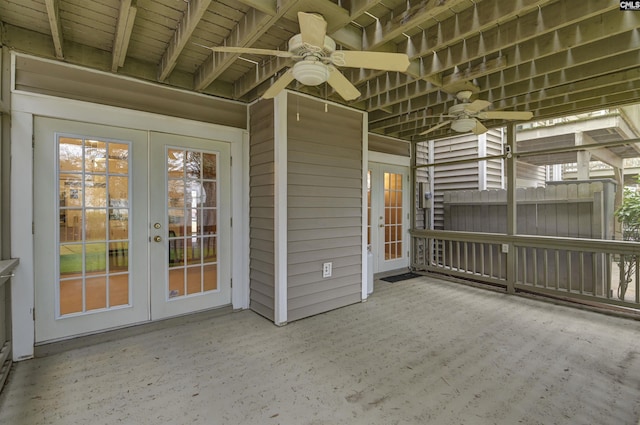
(27, 105)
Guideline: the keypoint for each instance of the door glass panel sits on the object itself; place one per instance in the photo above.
(392, 216)
(94, 224)
(96, 292)
(192, 218)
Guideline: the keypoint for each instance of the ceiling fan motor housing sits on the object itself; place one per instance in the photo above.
(299, 48)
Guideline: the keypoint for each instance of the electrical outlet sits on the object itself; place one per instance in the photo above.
(326, 269)
(505, 248)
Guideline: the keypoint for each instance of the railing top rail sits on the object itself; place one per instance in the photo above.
(553, 242)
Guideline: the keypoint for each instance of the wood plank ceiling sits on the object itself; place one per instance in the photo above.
(553, 58)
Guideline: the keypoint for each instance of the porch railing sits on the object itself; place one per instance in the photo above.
(586, 269)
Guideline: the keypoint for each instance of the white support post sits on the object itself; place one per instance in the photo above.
(280, 208)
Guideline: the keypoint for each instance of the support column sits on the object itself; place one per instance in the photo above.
(583, 157)
(512, 221)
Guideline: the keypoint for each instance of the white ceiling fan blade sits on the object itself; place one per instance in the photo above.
(506, 115)
(371, 60)
(279, 85)
(313, 28)
(341, 85)
(479, 128)
(248, 50)
(435, 127)
(476, 105)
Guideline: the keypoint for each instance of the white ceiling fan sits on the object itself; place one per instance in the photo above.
(466, 115)
(315, 59)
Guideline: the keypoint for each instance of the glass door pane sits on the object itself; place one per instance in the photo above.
(192, 207)
(393, 228)
(93, 237)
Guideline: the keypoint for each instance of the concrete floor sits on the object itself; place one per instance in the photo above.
(421, 351)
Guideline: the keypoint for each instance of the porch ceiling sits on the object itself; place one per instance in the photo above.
(554, 58)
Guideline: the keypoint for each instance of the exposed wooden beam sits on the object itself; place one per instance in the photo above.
(571, 104)
(465, 24)
(250, 29)
(53, 12)
(195, 10)
(553, 37)
(358, 7)
(126, 18)
(607, 156)
(596, 87)
(560, 62)
(388, 27)
(268, 7)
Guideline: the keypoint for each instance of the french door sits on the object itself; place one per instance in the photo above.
(388, 216)
(189, 224)
(129, 226)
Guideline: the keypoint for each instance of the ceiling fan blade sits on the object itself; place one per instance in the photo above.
(438, 116)
(476, 105)
(248, 50)
(279, 85)
(313, 29)
(341, 85)
(435, 127)
(506, 115)
(479, 128)
(371, 60)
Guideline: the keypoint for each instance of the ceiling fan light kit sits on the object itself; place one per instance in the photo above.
(310, 72)
(463, 125)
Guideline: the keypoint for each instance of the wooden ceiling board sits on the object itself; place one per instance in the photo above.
(31, 15)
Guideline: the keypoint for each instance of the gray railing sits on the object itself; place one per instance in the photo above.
(586, 269)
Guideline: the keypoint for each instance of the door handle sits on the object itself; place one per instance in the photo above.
(382, 225)
(157, 238)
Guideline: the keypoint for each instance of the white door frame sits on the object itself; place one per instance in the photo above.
(378, 160)
(25, 106)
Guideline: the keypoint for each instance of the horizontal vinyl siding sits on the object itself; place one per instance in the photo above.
(261, 209)
(453, 176)
(58, 79)
(324, 151)
(384, 144)
(494, 166)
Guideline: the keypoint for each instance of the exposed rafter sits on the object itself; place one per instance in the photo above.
(53, 12)
(252, 27)
(126, 19)
(536, 60)
(390, 26)
(195, 10)
(500, 39)
(546, 56)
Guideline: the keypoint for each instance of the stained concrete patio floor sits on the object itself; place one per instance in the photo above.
(421, 351)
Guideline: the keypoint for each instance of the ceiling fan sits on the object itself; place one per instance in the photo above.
(466, 115)
(315, 58)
